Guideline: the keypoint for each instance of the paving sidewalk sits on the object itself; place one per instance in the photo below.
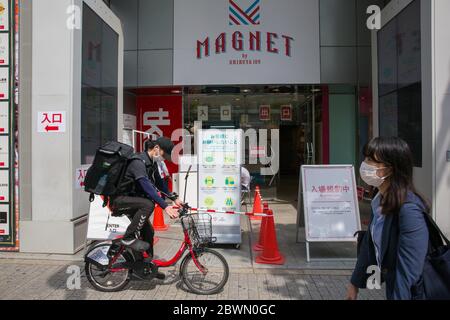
(47, 280)
(37, 276)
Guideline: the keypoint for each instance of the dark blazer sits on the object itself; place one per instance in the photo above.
(403, 251)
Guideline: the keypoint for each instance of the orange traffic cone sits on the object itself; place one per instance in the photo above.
(262, 231)
(270, 253)
(257, 208)
(158, 220)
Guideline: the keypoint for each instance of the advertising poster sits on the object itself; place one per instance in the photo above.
(4, 152)
(4, 186)
(286, 113)
(219, 180)
(330, 203)
(225, 113)
(4, 49)
(4, 220)
(4, 83)
(264, 113)
(4, 15)
(4, 117)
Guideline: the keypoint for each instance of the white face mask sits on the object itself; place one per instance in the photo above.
(369, 175)
(157, 157)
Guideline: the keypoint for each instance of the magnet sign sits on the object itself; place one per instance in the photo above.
(51, 122)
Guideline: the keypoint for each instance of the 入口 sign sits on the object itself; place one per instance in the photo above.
(51, 122)
(238, 41)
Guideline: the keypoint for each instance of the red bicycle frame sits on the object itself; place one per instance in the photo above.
(186, 245)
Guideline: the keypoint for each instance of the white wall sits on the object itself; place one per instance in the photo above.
(441, 93)
(57, 223)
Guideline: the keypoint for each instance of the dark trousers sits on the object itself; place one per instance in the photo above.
(139, 211)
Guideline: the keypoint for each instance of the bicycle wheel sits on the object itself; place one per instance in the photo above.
(99, 276)
(210, 282)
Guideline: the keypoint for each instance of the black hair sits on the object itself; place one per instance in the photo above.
(395, 154)
(149, 145)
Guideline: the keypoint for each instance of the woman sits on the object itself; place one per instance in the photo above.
(397, 237)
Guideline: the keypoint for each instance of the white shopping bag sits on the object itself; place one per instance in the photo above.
(103, 226)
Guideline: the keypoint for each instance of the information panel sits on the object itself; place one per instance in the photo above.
(8, 165)
(219, 180)
(330, 203)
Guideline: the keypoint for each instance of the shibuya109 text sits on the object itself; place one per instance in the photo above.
(232, 147)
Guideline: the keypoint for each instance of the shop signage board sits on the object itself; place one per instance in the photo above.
(237, 41)
(330, 204)
(286, 113)
(51, 122)
(264, 113)
(80, 175)
(219, 180)
(4, 220)
(4, 117)
(4, 15)
(225, 113)
(8, 165)
(4, 49)
(4, 83)
(4, 186)
(202, 113)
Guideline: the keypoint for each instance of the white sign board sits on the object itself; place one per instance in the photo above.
(4, 15)
(4, 152)
(101, 225)
(80, 175)
(4, 49)
(330, 203)
(4, 186)
(219, 180)
(225, 113)
(238, 41)
(202, 113)
(51, 122)
(4, 83)
(4, 117)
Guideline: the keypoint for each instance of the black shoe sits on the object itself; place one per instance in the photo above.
(136, 245)
(154, 269)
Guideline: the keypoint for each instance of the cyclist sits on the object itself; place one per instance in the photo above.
(138, 194)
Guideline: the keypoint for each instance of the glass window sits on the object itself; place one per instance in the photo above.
(99, 90)
(400, 86)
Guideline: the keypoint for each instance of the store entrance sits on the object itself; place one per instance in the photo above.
(293, 113)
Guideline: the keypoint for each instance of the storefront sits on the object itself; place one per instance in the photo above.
(301, 70)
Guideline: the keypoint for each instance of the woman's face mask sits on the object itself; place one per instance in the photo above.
(369, 175)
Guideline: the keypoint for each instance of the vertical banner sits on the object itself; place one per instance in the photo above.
(160, 116)
(219, 184)
(8, 214)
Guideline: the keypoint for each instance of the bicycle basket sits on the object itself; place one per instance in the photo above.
(199, 227)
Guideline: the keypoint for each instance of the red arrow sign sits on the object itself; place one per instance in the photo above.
(51, 128)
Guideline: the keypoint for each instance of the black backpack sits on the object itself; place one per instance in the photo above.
(106, 173)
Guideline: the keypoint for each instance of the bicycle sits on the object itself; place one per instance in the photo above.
(109, 260)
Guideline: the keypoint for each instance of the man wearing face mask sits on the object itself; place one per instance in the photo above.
(139, 192)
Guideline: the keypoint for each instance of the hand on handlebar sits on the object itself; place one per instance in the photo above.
(172, 212)
(178, 203)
